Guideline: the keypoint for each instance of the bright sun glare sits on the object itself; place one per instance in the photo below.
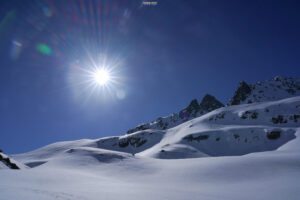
(101, 77)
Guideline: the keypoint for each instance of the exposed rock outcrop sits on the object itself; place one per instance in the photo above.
(6, 161)
(243, 91)
(210, 103)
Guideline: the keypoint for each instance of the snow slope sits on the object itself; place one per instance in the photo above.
(266, 175)
(234, 130)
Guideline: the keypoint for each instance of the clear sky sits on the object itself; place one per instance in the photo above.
(160, 57)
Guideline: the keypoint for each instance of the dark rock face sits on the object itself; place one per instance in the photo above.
(249, 115)
(190, 111)
(273, 135)
(210, 103)
(7, 162)
(135, 142)
(194, 109)
(191, 138)
(279, 120)
(138, 128)
(243, 91)
(194, 105)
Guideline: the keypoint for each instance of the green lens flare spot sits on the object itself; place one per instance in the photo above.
(44, 49)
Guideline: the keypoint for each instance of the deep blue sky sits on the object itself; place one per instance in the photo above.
(163, 56)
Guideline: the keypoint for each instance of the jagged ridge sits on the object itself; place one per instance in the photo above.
(193, 110)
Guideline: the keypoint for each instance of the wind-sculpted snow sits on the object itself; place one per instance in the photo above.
(50, 151)
(132, 144)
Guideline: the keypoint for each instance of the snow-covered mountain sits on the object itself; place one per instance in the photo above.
(244, 146)
(270, 90)
(232, 130)
(205, 129)
(193, 110)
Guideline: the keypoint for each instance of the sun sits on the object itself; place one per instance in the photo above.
(102, 77)
(98, 78)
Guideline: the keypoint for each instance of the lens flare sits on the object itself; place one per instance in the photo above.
(44, 49)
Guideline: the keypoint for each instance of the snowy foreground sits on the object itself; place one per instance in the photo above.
(249, 151)
(269, 175)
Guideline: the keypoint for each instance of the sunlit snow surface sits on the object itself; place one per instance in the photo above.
(209, 169)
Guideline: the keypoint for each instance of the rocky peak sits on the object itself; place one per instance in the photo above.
(210, 103)
(270, 90)
(193, 110)
(194, 105)
(190, 111)
(243, 91)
